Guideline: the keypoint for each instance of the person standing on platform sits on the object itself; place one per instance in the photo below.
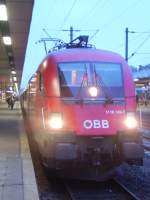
(11, 101)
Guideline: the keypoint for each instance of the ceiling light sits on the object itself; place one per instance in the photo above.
(16, 85)
(14, 78)
(3, 13)
(10, 88)
(7, 40)
(13, 72)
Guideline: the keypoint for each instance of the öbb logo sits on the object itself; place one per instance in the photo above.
(88, 124)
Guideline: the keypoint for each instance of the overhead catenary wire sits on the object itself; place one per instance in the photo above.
(139, 46)
(53, 5)
(144, 53)
(138, 34)
(91, 12)
(68, 14)
(98, 30)
(58, 30)
(45, 31)
(118, 17)
(94, 34)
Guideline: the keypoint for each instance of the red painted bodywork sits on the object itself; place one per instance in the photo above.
(75, 114)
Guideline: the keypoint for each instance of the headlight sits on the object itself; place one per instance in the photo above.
(55, 120)
(93, 91)
(131, 121)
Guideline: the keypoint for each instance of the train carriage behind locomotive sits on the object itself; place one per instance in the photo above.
(82, 110)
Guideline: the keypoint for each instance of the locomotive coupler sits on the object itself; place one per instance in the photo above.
(97, 157)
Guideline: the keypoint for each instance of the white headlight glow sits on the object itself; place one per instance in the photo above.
(56, 121)
(131, 121)
(93, 91)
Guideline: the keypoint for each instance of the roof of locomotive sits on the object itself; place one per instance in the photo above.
(85, 54)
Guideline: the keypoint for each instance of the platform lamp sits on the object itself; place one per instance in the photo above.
(3, 12)
(4, 18)
(7, 40)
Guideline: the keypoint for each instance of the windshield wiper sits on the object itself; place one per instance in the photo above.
(79, 101)
(108, 100)
(100, 83)
(79, 98)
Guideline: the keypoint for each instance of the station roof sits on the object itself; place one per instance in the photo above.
(17, 27)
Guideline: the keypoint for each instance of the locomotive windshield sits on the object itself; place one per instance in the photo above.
(75, 79)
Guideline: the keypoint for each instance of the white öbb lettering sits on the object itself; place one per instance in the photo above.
(88, 124)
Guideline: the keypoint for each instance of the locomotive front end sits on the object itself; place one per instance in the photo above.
(102, 112)
(92, 125)
(88, 114)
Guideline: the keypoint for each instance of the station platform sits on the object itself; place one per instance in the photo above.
(144, 108)
(17, 177)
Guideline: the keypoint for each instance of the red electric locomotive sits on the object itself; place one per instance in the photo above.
(82, 109)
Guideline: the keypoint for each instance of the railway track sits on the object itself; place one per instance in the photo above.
(146, 140)
(112, 190)
(126, 189)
